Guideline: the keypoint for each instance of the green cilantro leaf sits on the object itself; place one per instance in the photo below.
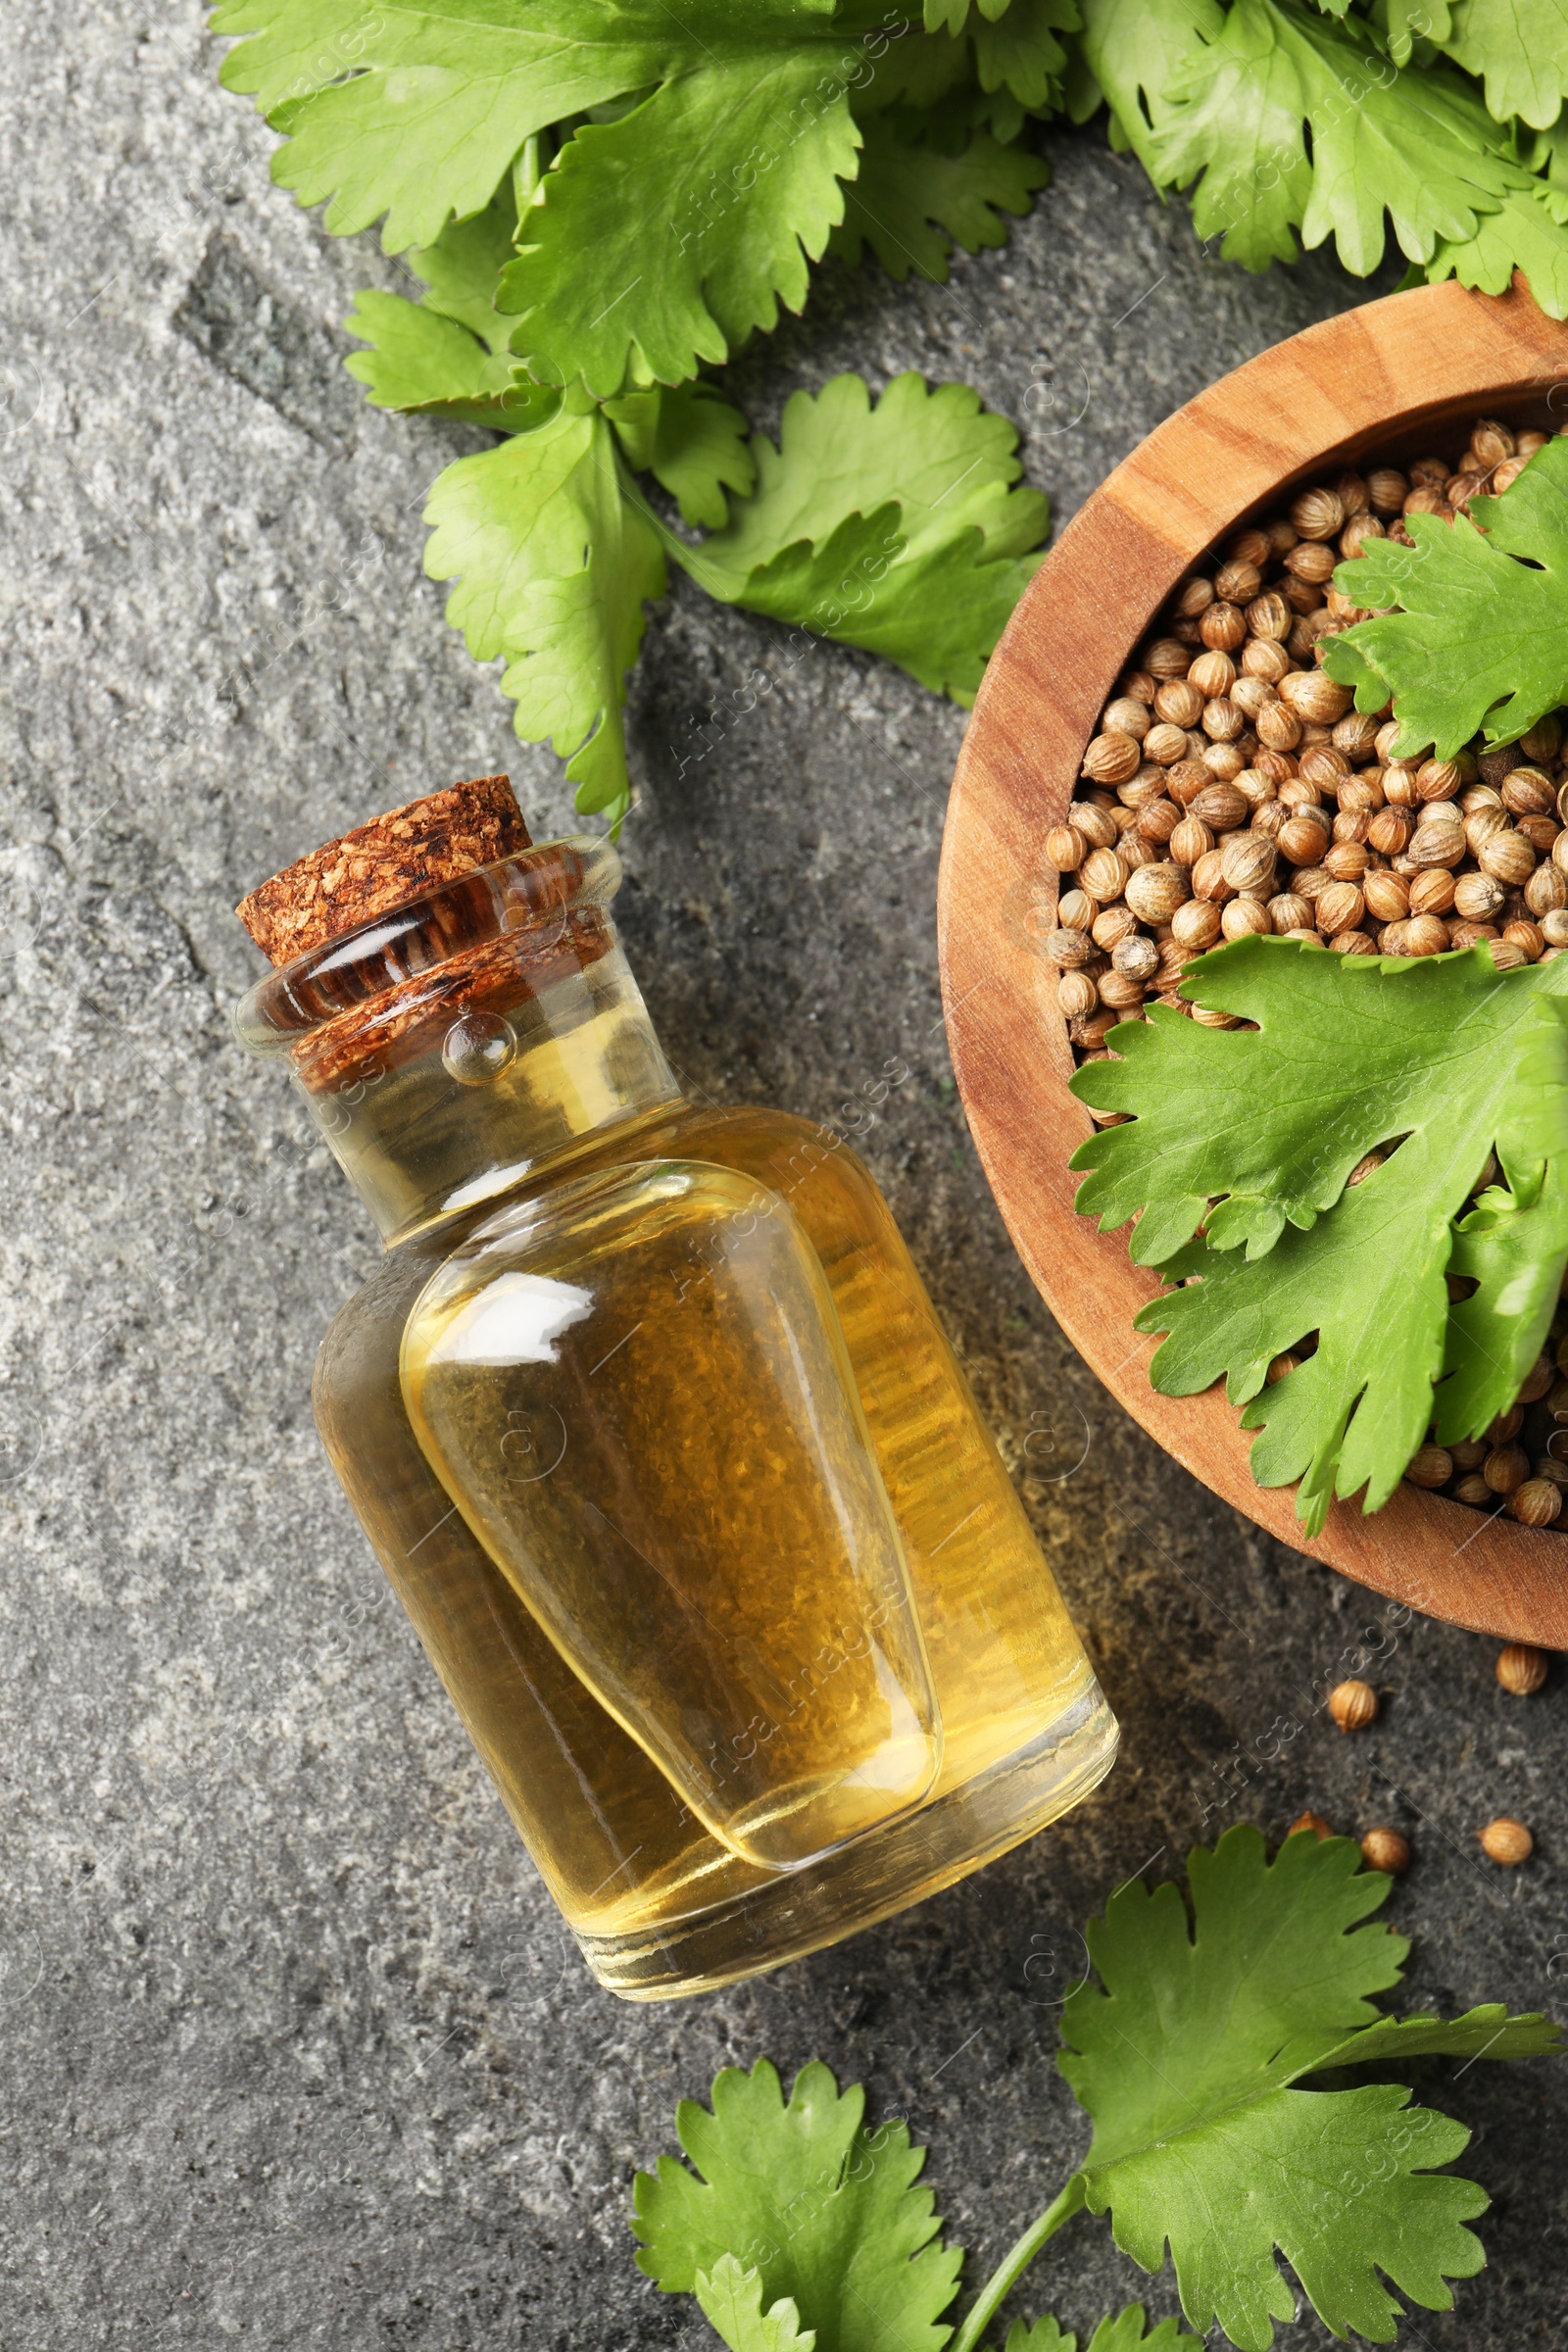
(421, 360)
(1480, 638)
(1516, 1251)
(1400, 23)
(663, 238)
(463, 268)
(416, 111)
(1418, 146)
(1020, 52)
(826, 2215)
(1126, 2333)
(934, 451)
(553, 560)
(950, 15)
(1135, 52)
(896, 529)
(732, 2299)
(445, 355)
(912, 202)
(1189, 2061)
(1519, 48)
(1525, 232)
(692, 441)
(1350, 1052)
(1247, 1130)
(937, 610)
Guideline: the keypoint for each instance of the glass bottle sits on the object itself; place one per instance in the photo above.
(653, 1429)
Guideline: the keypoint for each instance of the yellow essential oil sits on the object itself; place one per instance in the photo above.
(653, 1427)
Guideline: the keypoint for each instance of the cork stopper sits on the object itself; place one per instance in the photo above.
(383, 864)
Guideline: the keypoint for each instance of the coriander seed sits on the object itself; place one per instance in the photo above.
(1353, 1705)
(1244, 918)
(1179, 702)
(1137, 956)
(1109, 927)
(1430, 1466)
(1387, 488)
(1213, 673)
(1223, 628)
(1069, 951)
(1536, 1504)
(1318, 515)
(1076, 994)
(1506, 1469)
(1111, 759)
(1386, 1851)
(1236, 583)
(1507, 1842)
(1191, 839)
(1314, 1822)
(1339, 909)
(1195, 925)
(1521, 1670)
(1155, 892)
(1104, 874)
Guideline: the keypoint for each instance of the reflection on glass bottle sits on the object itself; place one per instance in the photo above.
(652, 1424)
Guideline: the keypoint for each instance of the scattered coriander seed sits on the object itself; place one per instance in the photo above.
(1386, 1851)
(1507, 1842)
(1310, 1821)
(1353, 1705)
(1521, 1670)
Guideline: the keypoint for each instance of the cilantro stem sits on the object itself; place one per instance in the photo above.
(1016, 2261)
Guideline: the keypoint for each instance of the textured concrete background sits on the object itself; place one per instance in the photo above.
(291, 2056)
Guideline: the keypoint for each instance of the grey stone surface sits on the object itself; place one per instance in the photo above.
(293, 2054)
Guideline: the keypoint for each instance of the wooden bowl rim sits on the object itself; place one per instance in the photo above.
(1380, 377)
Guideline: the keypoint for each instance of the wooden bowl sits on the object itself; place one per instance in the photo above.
(1390, 379)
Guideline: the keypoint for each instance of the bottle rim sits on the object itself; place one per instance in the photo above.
(518, 909)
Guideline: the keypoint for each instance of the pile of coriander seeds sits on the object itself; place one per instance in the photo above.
(1232, 788)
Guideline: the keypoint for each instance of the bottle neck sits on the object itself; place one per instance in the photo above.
(467, 1042)
(497, 1100)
